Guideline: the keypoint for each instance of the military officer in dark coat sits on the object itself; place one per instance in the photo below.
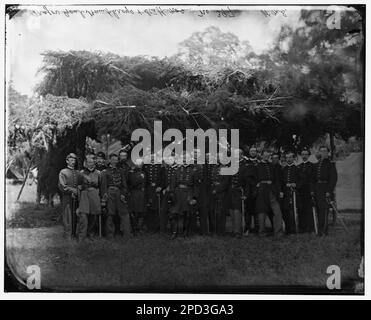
(137, 199)
(306, 172)
(168, 196)
(205, 196)
(219, 186)
(124, 162)
(269, 191)
(251, 163)
(90, 203)
(184, 197)
(198, 172)
(290, 182)
(238, 193)
(114, 194)
(325, 179)
(154, 184)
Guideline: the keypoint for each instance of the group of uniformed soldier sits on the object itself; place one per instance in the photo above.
(182, 199)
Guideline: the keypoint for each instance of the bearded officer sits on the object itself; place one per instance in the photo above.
(183, 197)
(205, 197)
(251, 163)
(137, 199)
(100, 161)
(325, 179)
(269, 192)
(114, 193)
(153, 187)
(238, 192)
(219, 187)
(306, 173)
(290, 182)
(90, 204)
(168, 198)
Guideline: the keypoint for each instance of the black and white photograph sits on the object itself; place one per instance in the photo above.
(184, 149)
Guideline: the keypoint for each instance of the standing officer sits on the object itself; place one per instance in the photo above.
(219, 185)
(306, 172)
(251, 163)
(205, 196)
(325, 179)
(290, 181)
(68, 182)
(123, 162)
(137, 199)
(183, 197)
(90, 204)
(153, 186)
(114, 193)
(269, 191)
(168, 199)
(238, 193)
(198, 191)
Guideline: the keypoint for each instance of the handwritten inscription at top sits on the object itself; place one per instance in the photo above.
(117, 13)
(272, 13)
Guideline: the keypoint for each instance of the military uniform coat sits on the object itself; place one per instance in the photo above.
(184, 182)
(89, 198)
(266, 172)
(154, 174)
(137, 199)
(113, 186)
(238, 187)
(68, 180)
(290, 174)
(306, 172)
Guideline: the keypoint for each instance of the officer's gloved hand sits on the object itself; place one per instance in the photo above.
(158, 189)
(281, 195)
(122, 198)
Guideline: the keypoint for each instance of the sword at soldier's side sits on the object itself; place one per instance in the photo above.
(314, 213)
(243, 211)
(74, 206)
(295, 209)
(333, 206)
(73, 215)
(159, 207)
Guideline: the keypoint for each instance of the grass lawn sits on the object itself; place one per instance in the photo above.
(197, 264)
(295, 264)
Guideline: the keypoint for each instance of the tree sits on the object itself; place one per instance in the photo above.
(321, 68)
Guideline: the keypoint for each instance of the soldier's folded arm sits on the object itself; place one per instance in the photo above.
(62, 184)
